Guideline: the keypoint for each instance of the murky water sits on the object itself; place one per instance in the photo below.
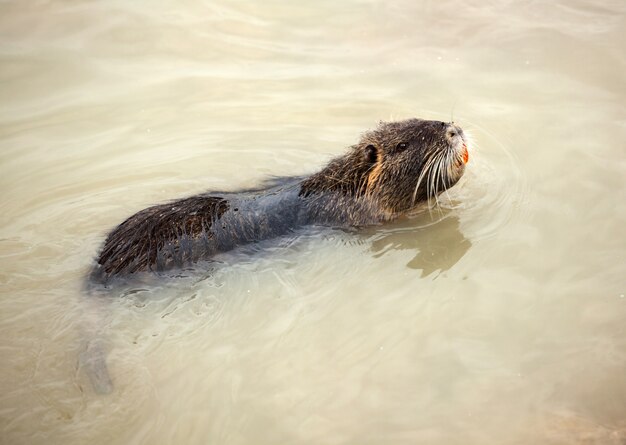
(497, 319)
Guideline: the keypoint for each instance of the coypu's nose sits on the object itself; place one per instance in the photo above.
(456, 139)
(452, 131)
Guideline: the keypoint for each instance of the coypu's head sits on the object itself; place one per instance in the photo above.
(398, 164)
(413, 160)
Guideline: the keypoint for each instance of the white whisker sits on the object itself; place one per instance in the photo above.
(425, 170)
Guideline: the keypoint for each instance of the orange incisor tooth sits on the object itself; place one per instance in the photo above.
(465, 154)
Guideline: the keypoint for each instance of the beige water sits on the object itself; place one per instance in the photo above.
(498, 318)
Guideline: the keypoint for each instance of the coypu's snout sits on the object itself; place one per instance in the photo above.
(458, 142)
(444, 161)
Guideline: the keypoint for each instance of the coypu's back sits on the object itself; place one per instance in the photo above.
(181, 232)
(138, 242)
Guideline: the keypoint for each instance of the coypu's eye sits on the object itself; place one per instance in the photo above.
(401, 146)
(371, 154)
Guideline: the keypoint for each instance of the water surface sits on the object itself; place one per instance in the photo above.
(497, 318)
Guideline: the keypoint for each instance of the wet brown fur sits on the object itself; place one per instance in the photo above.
(135, 243)
(373, 182)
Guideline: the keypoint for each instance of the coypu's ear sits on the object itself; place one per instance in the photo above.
(371, 154)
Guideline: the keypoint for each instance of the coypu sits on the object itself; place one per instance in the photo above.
(387, 174)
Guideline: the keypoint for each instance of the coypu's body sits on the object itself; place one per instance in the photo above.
(387, 174)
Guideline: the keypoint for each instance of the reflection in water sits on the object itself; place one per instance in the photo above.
(439, 245)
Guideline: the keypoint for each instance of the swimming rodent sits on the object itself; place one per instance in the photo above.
(389, 172)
